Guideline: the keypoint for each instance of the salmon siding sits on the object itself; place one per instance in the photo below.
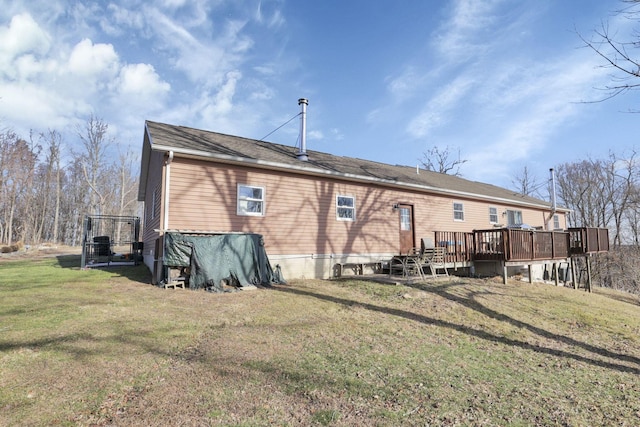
(312, 214)
(299, 212)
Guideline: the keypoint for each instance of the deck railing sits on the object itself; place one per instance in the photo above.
(588, 240)
(506, 244)
(458, 244)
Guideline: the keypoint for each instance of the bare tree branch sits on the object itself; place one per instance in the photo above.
(439, 160)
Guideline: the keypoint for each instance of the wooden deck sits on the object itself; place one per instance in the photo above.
(506, 246)
(517, 245)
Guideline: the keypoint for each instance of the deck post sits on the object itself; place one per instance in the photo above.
(555, 273)
(573, 272)
(504, 273)
(588, 273)
(530, 274)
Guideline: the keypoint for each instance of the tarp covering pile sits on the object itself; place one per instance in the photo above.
(236, 260)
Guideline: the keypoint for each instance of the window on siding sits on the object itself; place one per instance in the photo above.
(514, 217)
(556, 222)
(346, 208)
(458, 212)
(405, 219)
(250, 200)
(493, 215)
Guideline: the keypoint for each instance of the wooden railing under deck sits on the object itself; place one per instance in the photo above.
(458, 244)
(489, 245)
(508, 244)
(529, 245)
(588, 240)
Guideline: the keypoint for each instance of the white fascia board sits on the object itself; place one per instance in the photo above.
(223, 158)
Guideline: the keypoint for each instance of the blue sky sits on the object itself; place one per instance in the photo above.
(500, 81)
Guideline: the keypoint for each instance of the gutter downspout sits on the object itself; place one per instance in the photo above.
(167, 180)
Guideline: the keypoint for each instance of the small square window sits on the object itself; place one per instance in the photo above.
(250, 200)
(345, 208)
(458, 212)
(493, 215)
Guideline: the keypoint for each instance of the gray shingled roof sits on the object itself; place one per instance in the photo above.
(216, 146)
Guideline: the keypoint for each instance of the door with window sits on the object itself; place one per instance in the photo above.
(407, 240)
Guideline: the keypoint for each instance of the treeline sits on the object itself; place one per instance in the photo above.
(606, 193)
(46, 188)
(44, 195)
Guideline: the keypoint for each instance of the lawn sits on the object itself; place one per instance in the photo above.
(104, 347)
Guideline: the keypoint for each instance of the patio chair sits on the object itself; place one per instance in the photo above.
(434, 259)
(406, 265)
(396, 266)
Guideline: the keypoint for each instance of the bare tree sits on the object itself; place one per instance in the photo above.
(581, 189)
(441, 160)
(93, 137)
(18, 161)
(125, 197)
(526, 183)
(618, 55)
(48, 189)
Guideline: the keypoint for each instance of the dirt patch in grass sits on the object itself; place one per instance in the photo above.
(41, 251)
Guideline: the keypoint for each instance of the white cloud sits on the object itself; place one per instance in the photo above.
(315, 135)
(272, 18)
(139, 87)
(93, 60)
(336, 134)
(222, 103)
(407, 84)
(457, 38)
(204, 61)
(142, 80)
(22, 38)
(436, 112)
(525, 107)
(121, 20)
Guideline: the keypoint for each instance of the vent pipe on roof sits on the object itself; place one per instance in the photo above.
(553, 190)
(302, 154)
(554, 206)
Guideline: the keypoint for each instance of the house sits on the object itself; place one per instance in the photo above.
(314, 210)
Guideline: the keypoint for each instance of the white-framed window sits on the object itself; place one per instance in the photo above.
(250, 200)
(345, 208)
(405, 219)
(514, 217)
(556, 222)
(458, 211)
(493, 215)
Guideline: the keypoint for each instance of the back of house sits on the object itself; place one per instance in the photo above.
(315, 211)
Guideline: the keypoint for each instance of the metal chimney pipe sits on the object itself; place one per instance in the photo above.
(553, 191)
(302, 154)
(554, 207)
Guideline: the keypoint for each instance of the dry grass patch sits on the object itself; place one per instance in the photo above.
(103, 347)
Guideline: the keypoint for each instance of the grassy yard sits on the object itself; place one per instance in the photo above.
(104, 347)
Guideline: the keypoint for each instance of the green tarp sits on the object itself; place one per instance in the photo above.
(235, 259)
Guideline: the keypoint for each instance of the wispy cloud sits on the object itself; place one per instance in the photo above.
(526, 106)
(437, 111)
(458, 38)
